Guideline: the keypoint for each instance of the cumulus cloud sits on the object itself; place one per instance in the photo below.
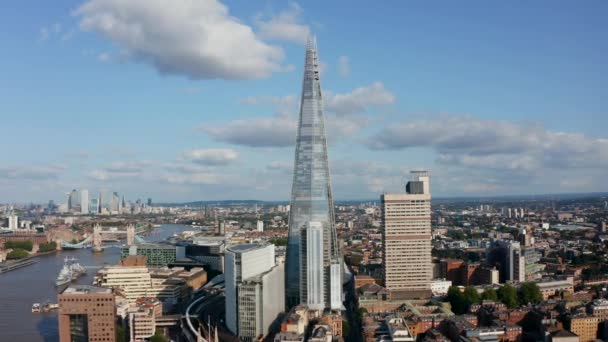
(212, 156)
(197, 39)
(343, 66)
(493, 144)
(359, 100)
(285, 26)
(275, 131)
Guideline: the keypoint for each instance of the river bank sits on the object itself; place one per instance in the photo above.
(36, 284)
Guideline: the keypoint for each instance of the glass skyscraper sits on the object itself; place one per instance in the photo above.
(313, 266)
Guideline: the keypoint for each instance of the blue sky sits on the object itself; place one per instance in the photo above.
(185, 100)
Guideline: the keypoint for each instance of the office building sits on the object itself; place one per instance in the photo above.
(13, 222)
(209, 250)
(508, 257)
(94, 206)
(157, 255)
(133, 281)
(115, 204)
(84, 201)
(86, 313)
(311, 217)
(406, 230)
(243, 262)
(258, 303)
(260, 227)
(73, 200)
(100, 209)
(142, 318)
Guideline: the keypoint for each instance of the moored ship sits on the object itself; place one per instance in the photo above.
(71, 270)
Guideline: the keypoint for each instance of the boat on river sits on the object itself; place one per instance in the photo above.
(71, 270)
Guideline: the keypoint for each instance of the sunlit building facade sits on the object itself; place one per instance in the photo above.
(313, 269)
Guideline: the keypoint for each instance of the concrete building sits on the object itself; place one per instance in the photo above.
(142, 319)
(86, 313)
(84, 201)
(585, 327)
(260, 227)
(508, 258)
(243, 262)
(209, 250)
(554, 286)
(135, 282)
(13, 222)
(406, 230)
(440, 287)
(258, 303)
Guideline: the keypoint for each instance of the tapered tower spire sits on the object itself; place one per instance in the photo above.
(313, 270)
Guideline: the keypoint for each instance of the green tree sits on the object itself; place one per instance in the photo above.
(159, 337)
(47, 246)
(508, 295)
(26, 245)
(471, 296)
(489, 294)
(457, 300)
(529, 292)
(121, 334)
(17, 253)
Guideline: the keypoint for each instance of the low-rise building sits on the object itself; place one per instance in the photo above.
(86, 313)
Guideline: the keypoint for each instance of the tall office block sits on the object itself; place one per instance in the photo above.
(312, 205)
(73, 200)
(94, 205)
(84, 201)
(13, 221)
(509, 259)
(242, 262)
(406, 229)
(260, 302)
(100, 209)
(115, 204)
(86, 313)
(260, 226)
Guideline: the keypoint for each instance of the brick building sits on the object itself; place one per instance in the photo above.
(87, 313)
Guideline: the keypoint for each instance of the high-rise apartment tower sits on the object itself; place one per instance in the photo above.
(406, 229)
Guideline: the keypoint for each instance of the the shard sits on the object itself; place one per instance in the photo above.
(313, 266)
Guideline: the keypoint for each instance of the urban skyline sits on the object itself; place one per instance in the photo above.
(476, 102)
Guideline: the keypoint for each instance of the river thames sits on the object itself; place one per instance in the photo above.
(21, 288)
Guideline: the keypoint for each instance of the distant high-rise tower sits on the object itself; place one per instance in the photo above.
(84, 201)
(406, 229)
(73, 200)
(313, 266)
(100, 202)
(115, 202)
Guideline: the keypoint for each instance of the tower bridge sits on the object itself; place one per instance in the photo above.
(96, 239)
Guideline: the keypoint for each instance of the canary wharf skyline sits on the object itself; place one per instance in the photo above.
(492, 99)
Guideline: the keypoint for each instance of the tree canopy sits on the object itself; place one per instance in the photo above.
(508, 295)
(529, 292)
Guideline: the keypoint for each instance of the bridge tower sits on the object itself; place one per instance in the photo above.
(97, 238)
(130, 235)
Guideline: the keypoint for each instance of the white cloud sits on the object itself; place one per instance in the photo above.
(104, 57)
(466, 140)
(44, 33)
(343, 66)
(284, 26)
(197, 39)
(275, 131)
(211, 156)
(359, 100)
(119, 170)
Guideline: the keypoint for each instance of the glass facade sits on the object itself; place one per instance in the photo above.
(311, 198)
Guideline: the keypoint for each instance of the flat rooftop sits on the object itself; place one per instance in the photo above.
(86, 289)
